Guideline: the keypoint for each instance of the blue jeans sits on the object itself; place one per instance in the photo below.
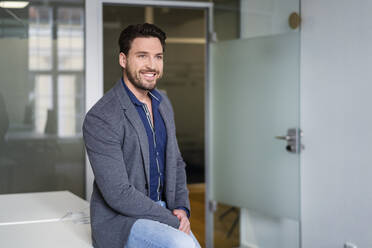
(153, 234)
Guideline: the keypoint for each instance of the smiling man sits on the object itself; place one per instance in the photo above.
(139, 198)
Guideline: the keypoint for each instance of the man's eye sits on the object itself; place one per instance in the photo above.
(159, 57)
(141, 56)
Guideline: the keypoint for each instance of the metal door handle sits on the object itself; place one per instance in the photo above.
(293, 139)
(283, 137)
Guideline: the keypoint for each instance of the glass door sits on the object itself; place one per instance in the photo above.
(254, 170)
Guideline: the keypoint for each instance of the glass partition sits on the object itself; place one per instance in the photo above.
(254, 97)
(42, 97)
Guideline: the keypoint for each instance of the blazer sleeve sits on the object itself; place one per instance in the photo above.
(103, 146)
(182, 193)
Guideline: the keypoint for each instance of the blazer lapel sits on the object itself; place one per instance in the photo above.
(133, 117)
(169, 167)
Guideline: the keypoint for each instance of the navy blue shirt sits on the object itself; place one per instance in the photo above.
(157, 139)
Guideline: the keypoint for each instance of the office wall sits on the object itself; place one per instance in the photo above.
(336, 120)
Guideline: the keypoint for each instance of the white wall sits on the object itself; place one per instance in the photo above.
(336, 118)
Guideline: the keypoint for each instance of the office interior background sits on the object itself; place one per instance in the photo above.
(238, 75)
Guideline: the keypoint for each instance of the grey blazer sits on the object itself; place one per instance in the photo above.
(117, 147)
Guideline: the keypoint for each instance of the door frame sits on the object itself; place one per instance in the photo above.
(94, 78)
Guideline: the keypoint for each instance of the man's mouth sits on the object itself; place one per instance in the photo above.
(149, 75)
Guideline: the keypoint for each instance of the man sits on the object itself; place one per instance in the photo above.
(140, 198)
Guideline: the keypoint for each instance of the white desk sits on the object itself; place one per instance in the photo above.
(61, 234)
(37, 220)
(39, 207)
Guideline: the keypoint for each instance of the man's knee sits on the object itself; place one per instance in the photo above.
(181, 240)
(159, 235)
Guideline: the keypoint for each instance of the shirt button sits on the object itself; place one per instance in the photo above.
(157, 153)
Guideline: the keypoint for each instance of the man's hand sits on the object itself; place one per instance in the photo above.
(184, 221)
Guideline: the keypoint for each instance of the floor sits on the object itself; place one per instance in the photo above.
(226, 235)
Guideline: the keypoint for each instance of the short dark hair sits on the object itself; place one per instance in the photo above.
(139, 30)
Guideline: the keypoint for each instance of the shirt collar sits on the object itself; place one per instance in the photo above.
(153, 94)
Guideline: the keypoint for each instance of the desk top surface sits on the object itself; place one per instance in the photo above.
(59, 234)
(39, 207)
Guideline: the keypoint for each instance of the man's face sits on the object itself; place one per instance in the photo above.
(144, 62)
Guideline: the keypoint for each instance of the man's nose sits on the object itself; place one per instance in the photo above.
(151, 63)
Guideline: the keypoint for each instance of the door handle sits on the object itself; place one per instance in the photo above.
(293, 139)
(283, 137)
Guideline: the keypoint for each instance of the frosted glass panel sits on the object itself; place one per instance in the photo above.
(42, 98)
(255, 97)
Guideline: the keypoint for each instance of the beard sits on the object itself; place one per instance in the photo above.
(135, 78)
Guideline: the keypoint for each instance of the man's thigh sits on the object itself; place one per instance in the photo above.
(153, 234)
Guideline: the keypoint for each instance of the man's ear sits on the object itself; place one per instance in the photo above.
(122, 60)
